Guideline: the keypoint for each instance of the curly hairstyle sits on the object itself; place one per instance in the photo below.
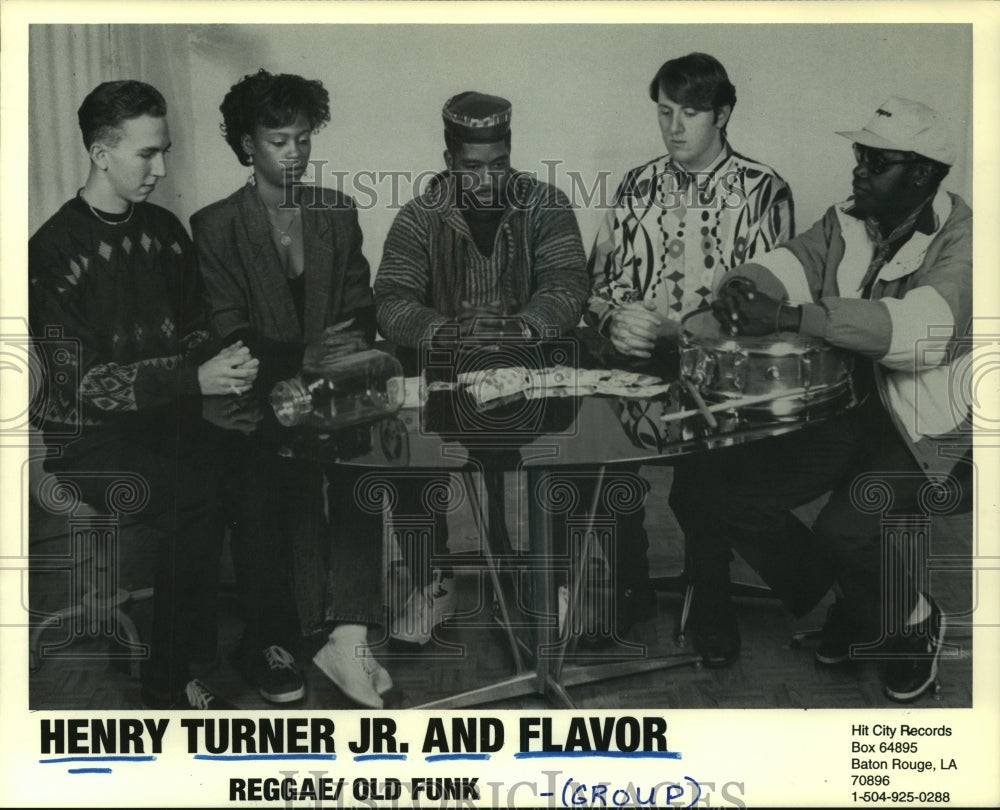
(110, 104)
(270, 100)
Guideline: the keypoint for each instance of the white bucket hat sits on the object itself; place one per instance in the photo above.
(907, 126)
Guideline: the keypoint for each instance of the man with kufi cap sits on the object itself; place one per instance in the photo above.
(481, 240)
(887, 276)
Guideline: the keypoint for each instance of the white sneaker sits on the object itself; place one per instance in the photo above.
(381, 679)
(424, 610)
(354, 671)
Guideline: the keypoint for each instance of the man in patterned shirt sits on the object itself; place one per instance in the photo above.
(679, 224)
(115, 277)
(683, 220)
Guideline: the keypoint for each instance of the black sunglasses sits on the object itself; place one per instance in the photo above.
(875, 160)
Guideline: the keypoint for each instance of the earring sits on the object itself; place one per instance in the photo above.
(250, 158)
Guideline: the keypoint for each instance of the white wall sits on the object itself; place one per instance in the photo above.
(578, 93)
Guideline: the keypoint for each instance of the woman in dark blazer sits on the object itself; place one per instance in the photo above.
(283, 270)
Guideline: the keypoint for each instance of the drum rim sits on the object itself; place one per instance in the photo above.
(821, 392)
(779, 344)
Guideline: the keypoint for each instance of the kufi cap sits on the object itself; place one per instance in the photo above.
(476, 117)
(907, 126)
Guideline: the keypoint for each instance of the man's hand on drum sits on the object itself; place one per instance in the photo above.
(742, 309)
(634, 328)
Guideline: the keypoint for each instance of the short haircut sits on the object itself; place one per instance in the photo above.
(696, 80)
(263, 99)
(109, 104)
(454, 144)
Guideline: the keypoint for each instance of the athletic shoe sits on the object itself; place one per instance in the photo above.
(913, 667)
(355, 671)
(424, 610)
(381, 679)
(195, 696)
(273, 671)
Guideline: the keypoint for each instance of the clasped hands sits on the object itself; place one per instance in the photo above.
(232, 371)
(635, 327)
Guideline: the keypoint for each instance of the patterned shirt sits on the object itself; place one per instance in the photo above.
(672, 235)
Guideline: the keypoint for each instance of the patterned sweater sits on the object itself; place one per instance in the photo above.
(671, 236)
(116, 312)
(430, 263)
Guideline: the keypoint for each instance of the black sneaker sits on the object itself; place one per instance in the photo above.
(913, 667)
(273, 671)
(838, 633)
(195, 696)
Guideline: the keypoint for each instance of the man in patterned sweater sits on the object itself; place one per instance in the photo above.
(115, 277)
(482, 240)
(678, 225)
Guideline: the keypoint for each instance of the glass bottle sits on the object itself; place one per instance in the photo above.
(362, 387)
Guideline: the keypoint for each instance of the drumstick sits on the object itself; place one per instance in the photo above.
(732, 403)
(702, 407)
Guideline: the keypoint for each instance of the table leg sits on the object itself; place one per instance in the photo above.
(544, 594)
(485, 526)
(550, 677)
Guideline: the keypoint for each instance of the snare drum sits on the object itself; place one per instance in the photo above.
(804, 375)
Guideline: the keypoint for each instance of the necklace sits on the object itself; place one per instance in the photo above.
(131, 208)
(286, 237)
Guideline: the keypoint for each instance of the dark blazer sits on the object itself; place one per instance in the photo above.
(244, 282)
(248, 298)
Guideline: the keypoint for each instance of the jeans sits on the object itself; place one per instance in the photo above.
(354, 593)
